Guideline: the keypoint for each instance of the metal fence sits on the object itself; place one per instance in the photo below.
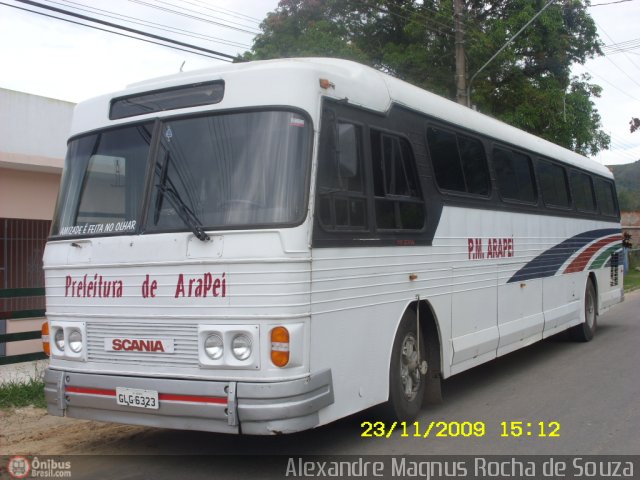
(13, 293)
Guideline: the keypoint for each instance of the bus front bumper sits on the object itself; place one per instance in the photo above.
(227, 407)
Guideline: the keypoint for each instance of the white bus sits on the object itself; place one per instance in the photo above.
(267, 247)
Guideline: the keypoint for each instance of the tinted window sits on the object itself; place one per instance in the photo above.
(341, 199)
(582, 190)
(515, 175)
(170, 99)
(445, 159)
(103, 182)
(459, 162)
(606, 197)
(398, 200)
(231, 170)
(474, 165)
(553, 183)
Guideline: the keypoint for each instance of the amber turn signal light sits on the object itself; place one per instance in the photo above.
(280, 346)
(46, 347)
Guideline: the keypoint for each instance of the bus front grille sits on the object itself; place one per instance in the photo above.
(183, 338)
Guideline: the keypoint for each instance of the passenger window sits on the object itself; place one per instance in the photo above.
(582, 190)
(474, 165)
(341, 200)
(459, 162)
(553, 183)
(446, 162)
(514, 173)
(606, 198)
(398, 199)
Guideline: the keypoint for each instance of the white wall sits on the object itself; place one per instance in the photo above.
(33, 131)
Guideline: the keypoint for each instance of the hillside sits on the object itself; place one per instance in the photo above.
(628, 185)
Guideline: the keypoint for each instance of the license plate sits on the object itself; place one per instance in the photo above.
(134, 397)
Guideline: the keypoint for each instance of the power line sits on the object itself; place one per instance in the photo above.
(127, 29)
(198, 12)
(111, 31)
(609, 3)
(621, 47)
(158, 26)
(225, 11)
(614, 86)
(627, 57)
(193, 17)
(417, 14)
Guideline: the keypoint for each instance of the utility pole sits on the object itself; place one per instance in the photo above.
(461, 68)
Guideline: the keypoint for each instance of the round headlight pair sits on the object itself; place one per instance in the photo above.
(241, 346)
(75, 340)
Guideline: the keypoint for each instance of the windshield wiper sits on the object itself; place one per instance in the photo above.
(166, 188)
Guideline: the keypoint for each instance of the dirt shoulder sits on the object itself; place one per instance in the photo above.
(32, 431)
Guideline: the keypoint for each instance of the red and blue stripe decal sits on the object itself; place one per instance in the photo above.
(550, 262)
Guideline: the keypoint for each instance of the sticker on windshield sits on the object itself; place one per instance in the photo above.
(168, 134)
(296, 121)
(97, 228)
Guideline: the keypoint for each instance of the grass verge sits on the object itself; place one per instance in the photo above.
(22, 394)
(632, 280)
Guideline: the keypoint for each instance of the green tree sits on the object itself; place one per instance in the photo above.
(529, 85)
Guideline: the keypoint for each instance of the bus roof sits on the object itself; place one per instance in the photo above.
(286, 81)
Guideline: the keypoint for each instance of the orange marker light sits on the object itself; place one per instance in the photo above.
(280, 346)
(326, 84)
(46, 347)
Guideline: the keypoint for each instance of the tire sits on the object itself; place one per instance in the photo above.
(587, 329)
(406, 383)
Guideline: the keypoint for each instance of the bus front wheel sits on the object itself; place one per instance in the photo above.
(406, 381)
(587, 329)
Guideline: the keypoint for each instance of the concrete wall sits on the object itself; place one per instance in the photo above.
(28, 194)
(33, 142)
(35, 129)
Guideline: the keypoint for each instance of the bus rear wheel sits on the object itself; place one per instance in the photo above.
(406, 380)
(587, 329)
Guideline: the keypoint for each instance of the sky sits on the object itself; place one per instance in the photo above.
(58, 59)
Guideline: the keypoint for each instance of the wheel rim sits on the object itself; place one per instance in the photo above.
(590, 310)
(409, 367)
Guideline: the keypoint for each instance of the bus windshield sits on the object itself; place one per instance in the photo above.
(221, 171)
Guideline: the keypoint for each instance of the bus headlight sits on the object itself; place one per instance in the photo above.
(75, 341)
(67, 340)
(241, 347)
(58, 338)
(214, 347)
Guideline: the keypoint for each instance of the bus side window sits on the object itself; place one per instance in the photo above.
(606, 198)
(341, 198)
(459, 162)
(553, 183)
(582, 189)
(514, 173)
(398, 200)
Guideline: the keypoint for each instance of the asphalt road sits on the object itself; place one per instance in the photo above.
(591, 390)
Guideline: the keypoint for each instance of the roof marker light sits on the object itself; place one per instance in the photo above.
(326, 84)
